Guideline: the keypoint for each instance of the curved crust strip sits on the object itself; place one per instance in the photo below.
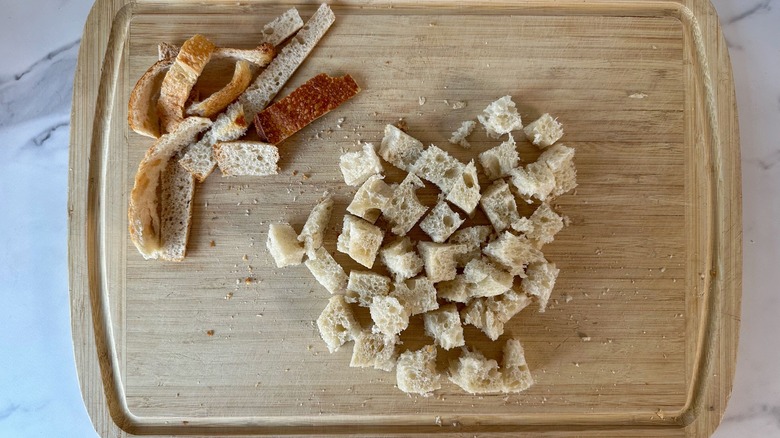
(142, 105)
(218, 101)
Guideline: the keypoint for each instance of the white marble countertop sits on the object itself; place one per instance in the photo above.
(39, 393)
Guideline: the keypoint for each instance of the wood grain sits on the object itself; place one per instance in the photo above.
(651, 263)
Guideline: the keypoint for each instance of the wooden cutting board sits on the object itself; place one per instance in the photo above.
(641, 335)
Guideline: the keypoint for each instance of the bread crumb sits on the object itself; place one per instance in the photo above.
(212, 243)
(402, 125)
(229, 295)
(248, 280)
(209, 332)
(637, 96)
(458, 105)
(437, 421)
(421, 100)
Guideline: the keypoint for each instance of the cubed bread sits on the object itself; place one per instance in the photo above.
(500, 117)
(374, 350)
(439, 259)
(513, 252)
(400, 149)
(499, 205)
(314, 228)
(360, 239)
(327, 271)
(465, 191)
(517, 376)
(357, 167)
(416, 371)
(401, 259)
(337, 324)
(444, 326)
(536, 180)
(473, 237)
(363, 286)
(491, 313)
(389, 315)
(439, 167)
(283, 245)
(544, 131)
(455, 290)
(485, 279)
(441, 222)
(404, 209)
(565, 179)
(557, 156)
(417, 295)
(500, 160)
(371, 198)
(476, 374)
(459, 136)
(540, 281)
(546, 224)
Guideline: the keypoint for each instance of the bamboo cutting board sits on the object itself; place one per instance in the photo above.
(640, 338)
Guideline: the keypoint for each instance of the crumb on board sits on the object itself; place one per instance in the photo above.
(637, 96)
(229, 295)
(212, 243)
(402, 125)
(459, 104)
(421, 100)
(209, 332)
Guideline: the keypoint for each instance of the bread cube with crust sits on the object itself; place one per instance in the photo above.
(283, 245)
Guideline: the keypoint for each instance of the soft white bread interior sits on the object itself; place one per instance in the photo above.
(485, 279)
(327, 271)
(198, 157)
(313, 230)
(546, 223)
(540, 281)
(401, 259)
(440, 259)
(177, 190)
(337, 323)
(374, 350)
(459, 137)
(360, 240)
(416, 371)
(473, 238)
(500, 160)
(500, 117)
(246, 158)
(544, 131)
(371, 198)
(439, 167)
(357, 167)
(400, 149)
(444, 326)
(389, 315)
(283, 245)
(363, 286)
(441, 222)
(499, 205)
(417, 295)
(465, 190)
(404, 208)
(512, 252)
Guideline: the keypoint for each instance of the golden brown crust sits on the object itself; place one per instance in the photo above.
(318, 96)
(142, 105)
(218, 101)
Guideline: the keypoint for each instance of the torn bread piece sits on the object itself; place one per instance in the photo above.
(283, 245)
(444, 326)
(405, 209)
(327, 272)
(416, 371)
(314, 229)
(500, 160)
(544, 131)
(565, 179)
(142, 105)
(198, 157)
(371, 198)
(459, 136)
(441, 222)
(500, 117)
(374, 350)
(540, 281)
(536, 180)
(337, 324)
(143, 217)
(485, 279)
(222, 98)
(439, 259)
(465, 190)
(417, 295)
(195, 53)
(455, 290)
(499, 205)
(358, 167)
(560, 159)
(177, 188)
(243, 158)
(439, 167)
(312, 100)
(546, 223)
(513, 252)
(472, 237)
(400, 149)
(363, 286)
(389, 315)
(401, 259)
(490, 314)
(517, 376)
(360, 240)
(476, 374)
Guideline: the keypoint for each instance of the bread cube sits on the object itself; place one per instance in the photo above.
(536, 180)
(363, 286)
(513, 253)
(337, 324)
(327, 271)
(371, 198)
(500, 160)
(416, 371)
(443, 325)
(439, 259)
(360, 240)
(565, 179)
(357, 167)
(441, 222)
(439, 167)
(546, 224)
(486, 280)
(404, 209)
(401, 259)
(374, 350)
(417, 295)
(400, 149)
(283, 245)
(473, 237)
(491, 313)
(540, 281)
(455, 290)
(544, 131)
(389, 315)
(459, 136)
(517, 376)
(476, 374)
(465, 190)
(499, 205)
(314, 228)
(556, 157)
(500, 117)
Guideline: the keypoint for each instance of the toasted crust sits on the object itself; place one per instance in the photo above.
(195, 53)
(142, 105)
(222, 98)
(318, 96)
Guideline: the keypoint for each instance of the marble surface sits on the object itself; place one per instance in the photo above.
(39, 393)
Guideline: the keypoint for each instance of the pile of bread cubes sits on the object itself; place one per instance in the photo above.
(462, 275)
